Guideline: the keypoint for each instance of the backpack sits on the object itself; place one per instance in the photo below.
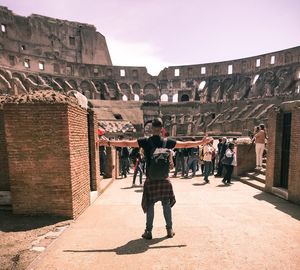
(159, 165)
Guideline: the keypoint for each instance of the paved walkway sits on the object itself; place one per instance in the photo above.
(217, 227)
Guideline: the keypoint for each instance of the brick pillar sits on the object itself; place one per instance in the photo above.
(4, 175)
(47, 147)
(94, 151)
(294, 169)
(274, 133)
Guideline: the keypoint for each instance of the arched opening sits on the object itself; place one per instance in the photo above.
(184, 98)
(175, 98)
(202, 85)
(164, 98)
(136, 97)
(125, 98)
(255, 79)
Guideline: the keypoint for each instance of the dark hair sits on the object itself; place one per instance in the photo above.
(262, 126)
(157, 122)
(231, 145)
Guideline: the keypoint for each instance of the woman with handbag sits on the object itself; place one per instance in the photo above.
(229, 161)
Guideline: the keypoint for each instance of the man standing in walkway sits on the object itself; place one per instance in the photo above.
(162, 189)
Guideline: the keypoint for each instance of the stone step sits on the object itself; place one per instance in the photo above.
(280, 192)
(260, 171)
(257, 176)
(252, 182)
(264, 165)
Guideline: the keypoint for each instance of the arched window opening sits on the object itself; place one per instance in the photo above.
(184, 98)
(136, 97)
(202, 85)
(125, 98)
(255, 79)
(164, 98)
(175, 98)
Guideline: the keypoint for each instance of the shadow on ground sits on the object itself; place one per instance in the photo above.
(132, 247)
(285, 206)
(17, 223)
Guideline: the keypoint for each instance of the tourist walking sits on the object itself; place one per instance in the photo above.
(207, 159)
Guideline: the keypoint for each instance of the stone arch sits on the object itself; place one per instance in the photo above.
(101, 89)
(5, 86)
(175, 98)
(288, 58)
(47, 80)
(125, 89)
(33, 78)
(136, 88)
(151, 89)
(164, 98)
(214, 91)
(86, 88)
(184, 98)
(226, 88)
(113, 90)
(73, 83)
(18, 75)
(61, 83)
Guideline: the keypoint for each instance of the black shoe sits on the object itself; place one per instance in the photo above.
(224, 181)
(229, 182)
(147, 235)
(170, 233)
(207, 181)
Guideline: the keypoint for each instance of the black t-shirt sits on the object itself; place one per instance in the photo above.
(157, 142)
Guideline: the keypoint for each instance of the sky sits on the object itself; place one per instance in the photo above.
(162, 33)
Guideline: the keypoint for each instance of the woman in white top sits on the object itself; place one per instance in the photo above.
(207, 159)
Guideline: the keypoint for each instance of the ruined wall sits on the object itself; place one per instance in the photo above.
(47, 149)
(4, 175)
(93, 151)
(275, 147)
(79, 160)
(49, 38)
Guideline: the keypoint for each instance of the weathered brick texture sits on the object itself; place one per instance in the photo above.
(245, 154)
(294, 171)
(47, 147)
(273, 171)
(4, 175)
(94, 151)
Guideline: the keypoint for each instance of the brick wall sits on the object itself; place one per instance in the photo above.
(294, 170)
(94, 151)
(48, 158)
(79, 159)
(273, 171)
(4, 176)
(270, 169)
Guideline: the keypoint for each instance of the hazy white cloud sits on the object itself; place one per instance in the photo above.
(136, 54)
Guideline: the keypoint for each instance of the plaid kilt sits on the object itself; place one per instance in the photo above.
(155, 191)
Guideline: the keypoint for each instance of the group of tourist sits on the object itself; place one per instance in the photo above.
(156, 153)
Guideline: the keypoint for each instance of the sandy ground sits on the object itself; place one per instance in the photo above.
(17, 235)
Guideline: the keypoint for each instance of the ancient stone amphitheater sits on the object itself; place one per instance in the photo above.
(49, 66)
(40, 53)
